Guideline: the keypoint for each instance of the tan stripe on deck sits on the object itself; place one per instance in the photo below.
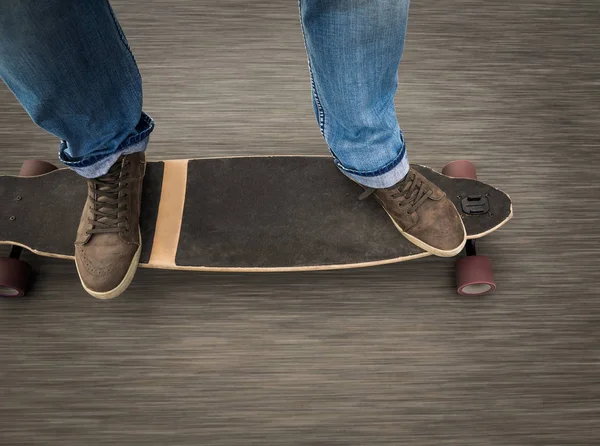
(170, 214)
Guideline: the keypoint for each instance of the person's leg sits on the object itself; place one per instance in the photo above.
(69, 65)
(354, 48)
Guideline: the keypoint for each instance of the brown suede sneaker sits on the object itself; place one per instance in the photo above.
(423, 214)
(108, 245)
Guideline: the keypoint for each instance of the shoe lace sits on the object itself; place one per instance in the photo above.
(107, 202)
(411, 192)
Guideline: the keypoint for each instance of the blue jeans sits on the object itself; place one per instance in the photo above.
(70, 66)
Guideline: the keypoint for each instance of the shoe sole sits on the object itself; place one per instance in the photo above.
(121, 287)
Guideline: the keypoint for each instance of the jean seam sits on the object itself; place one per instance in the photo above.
(313, 84)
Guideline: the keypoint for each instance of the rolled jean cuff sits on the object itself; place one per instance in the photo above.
(100, 162)
(387, 176)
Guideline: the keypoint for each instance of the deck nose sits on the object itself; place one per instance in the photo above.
(43, 212)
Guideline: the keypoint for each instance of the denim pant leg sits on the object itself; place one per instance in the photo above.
(354, 48)
(68, 63)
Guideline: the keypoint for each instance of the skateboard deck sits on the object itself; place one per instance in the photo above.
(265, 213)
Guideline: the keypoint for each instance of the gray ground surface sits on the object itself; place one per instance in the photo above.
(388, 355)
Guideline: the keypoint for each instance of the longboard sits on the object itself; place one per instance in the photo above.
(255, 214)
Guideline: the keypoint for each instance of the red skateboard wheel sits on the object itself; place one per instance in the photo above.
(14, 277)
(474, 276)
(32, 168)
(460, 169)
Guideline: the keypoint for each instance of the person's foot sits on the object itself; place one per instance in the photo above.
(423, 214)
(108, 244)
